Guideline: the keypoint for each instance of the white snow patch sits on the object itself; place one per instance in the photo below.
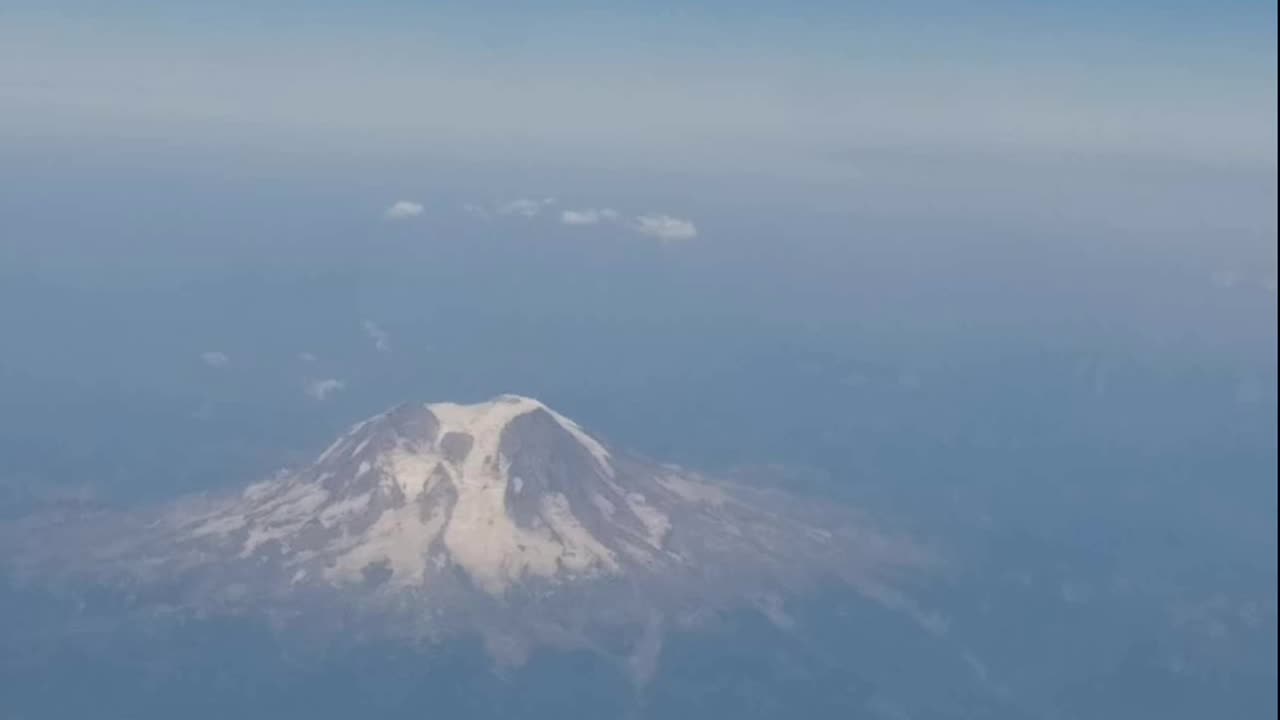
(584, 550)
(639, 554)
(603, 504)
(342, 508)
(656, 523)
(297, 501)
(598, 451)
(221, 525)
(401, 538)
(331, 449)
(411, 471)
(694, 491)
(259, 490)
(260, 536)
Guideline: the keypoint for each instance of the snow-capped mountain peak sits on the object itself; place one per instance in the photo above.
(505, 491)
(503, 516)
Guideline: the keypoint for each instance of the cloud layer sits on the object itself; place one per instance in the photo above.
(590, 216)
(403, 210)
(661, 226)
(381, 339)
(322, 389)
(666, 228)
(215, 359)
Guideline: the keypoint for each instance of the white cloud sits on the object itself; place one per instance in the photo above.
(656, 225)
(381, 340)
(589, 216)
(403, 210)
(322, 389)
(525, 207)
(666, 228)
(215, 359)
(306, 357)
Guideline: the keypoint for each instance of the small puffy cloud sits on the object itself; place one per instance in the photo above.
(215, 359)
(591, 216)
(306, 357)
(322, 389)
(666, 228)
(525, 207)
(381, 340)
(403, 210)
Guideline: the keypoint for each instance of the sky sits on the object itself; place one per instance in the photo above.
(710, 85)
(197, 196)
(1157, 117)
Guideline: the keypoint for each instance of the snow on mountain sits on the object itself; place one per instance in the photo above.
(503, 516)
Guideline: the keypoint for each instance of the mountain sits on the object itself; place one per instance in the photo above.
(499, 560)
(502, 518)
